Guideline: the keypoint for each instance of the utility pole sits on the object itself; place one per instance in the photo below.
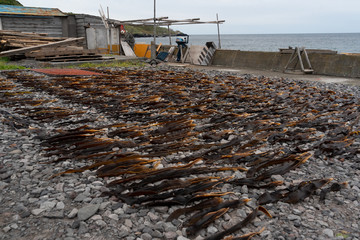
(218, 28)
(155, 21)
(153, 43)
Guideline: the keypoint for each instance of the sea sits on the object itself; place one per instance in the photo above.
(340, 42)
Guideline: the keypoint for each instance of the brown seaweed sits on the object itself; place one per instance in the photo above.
(247, 236)
(228, 204)
(293, 194)
(181, 196)
(204, 204)
(249, 218)
(335, 187)
(205, 221)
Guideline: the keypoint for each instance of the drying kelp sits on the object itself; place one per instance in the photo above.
(249, 218)
(298, 193)
(176, 138)
(247, 236)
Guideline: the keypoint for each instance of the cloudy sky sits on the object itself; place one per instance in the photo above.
(241, 16)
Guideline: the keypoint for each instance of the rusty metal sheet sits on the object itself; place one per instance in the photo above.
(31, 11)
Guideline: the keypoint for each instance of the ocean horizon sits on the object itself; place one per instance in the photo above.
(340, 42)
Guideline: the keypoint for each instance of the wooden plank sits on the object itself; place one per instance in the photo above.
(68, 57)
(127, 49)
(322, 51)
(28, 49)
(53, 52)
(52, 26)
(77, 59)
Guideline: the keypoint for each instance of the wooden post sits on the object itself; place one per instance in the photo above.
(155, 22)
(299, 51)
(153, 45)
(169, 34)
(110, 32)
(218, 28)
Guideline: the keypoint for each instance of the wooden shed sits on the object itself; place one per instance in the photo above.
(40, 20)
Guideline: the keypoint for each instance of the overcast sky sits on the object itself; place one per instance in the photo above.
(241, 16)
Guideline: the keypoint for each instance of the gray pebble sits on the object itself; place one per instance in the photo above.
(73, 213)
(328, 232)
(88, 211)
(83, 228)
(170, 235)
(293, 217)
(55, 214)
(146, 236)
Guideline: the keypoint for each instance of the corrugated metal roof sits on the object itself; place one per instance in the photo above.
(29, 11)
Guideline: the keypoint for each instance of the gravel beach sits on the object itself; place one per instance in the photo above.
(221, 119)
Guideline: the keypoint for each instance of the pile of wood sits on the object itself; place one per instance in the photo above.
(64, 54)
(43, 48)
(13, 39)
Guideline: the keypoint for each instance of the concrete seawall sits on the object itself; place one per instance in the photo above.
(324, 64)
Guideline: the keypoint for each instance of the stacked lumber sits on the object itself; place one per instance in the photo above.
(43, 48)
(64, 54)
(13, 39)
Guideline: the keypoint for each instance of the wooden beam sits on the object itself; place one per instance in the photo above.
(28, 49)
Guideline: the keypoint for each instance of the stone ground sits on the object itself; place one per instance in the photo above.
(35, 206)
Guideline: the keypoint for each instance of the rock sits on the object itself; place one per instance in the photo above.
(96, 201)
(73, 213)
(71, 194)
(48, 205)
(159, 226)
(157, 234)
(16, 151)
(297, 211)
(104, 205)
(101, 223)
(14, 226)
(22, 211)
(6, 175)
(182, 238)
(244, 189)
(277, 178)
(55, 215)
(60, 205)
(328, 232)
(59, 187)
(114, 217)
(153, 217)
(3, 185)
(81, 197)
(123, 232)
(117, 205)
(212, 230)
(322, 223)
(146, 236)
(128, 223)
(6, 229)
(75, 224)
(37, 211)
(161, 209)
(87, 212)
(83, 228)
(170, 235)
(169, 227)
(96, 217)
(293, 217)
(119, 211)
